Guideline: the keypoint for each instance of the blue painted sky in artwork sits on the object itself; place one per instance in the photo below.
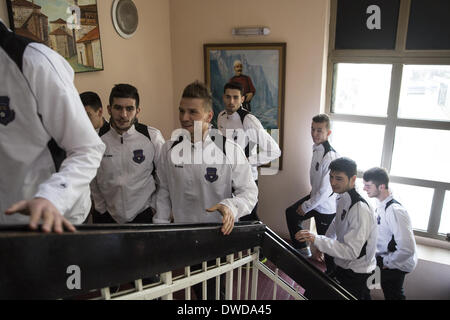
(267, 59)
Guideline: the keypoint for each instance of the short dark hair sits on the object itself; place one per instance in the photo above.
(345, 165)
(124, 91)
(234, 86)
(199, 90)
(378, 176)
(322, 118)
(91, 99)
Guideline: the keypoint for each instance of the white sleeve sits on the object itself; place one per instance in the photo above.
(245, 189)
(404, 237)
(354, 239)
(51, 80)
(163, 202)
(325, 190)
(158, 142)
(268, 148)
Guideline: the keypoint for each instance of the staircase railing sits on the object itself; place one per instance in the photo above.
(153, 261)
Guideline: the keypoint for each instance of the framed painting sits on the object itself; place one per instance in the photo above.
(70, 27)
(261, 69)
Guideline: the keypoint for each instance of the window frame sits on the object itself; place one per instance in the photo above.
(397, 58)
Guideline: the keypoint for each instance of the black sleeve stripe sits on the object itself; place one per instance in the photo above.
(242, 114)
(389, 203)
(57, 153)
(355, 198)
(142, 129)
(14, 45)
(327, 148)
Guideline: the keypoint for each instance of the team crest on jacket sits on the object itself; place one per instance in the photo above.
(211, 174)
(6, 114)
(138, 156)
(344, 213)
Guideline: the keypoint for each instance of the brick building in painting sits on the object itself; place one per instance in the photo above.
(29, 21)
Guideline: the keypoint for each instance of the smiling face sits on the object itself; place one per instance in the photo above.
(192, 110)
(123, 113)
(340, 183)
(232, 99)
(319, 132)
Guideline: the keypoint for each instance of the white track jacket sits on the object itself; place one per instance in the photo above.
(48, 146)
(195, 177)
(233, 126)
(125, 184)
(322, 198)
(396, 243)
(352, 236)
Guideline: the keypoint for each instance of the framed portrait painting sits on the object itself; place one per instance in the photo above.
(260, 68)
(70, 27)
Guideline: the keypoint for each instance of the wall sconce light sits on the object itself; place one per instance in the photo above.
(251, 31)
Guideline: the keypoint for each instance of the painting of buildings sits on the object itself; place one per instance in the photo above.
(69, 27)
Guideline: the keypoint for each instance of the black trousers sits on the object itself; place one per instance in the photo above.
(392, 282)
(355, 283)
(253, 216)
(294, 223)
(144, 217)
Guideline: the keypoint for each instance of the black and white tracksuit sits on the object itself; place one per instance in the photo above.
(48, 147)
(125, 184)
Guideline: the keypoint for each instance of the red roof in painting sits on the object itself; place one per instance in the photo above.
(25, 3)
(60, 21)
(90, 36)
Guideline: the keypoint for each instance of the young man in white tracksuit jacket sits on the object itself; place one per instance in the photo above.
(49, 150)
(352, 236)
(204, 177)
(124, 190)
(321, 202)
(396, 245)
(242, 127)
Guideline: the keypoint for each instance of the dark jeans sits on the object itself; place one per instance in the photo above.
(355, 283)
(392, 282)
(253, 216)
(144, 217)
(294, 223)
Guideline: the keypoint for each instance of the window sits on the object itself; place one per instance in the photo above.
(425, 92)
(390, 106)
(362, 89)
(366, 138)
(445, 218)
